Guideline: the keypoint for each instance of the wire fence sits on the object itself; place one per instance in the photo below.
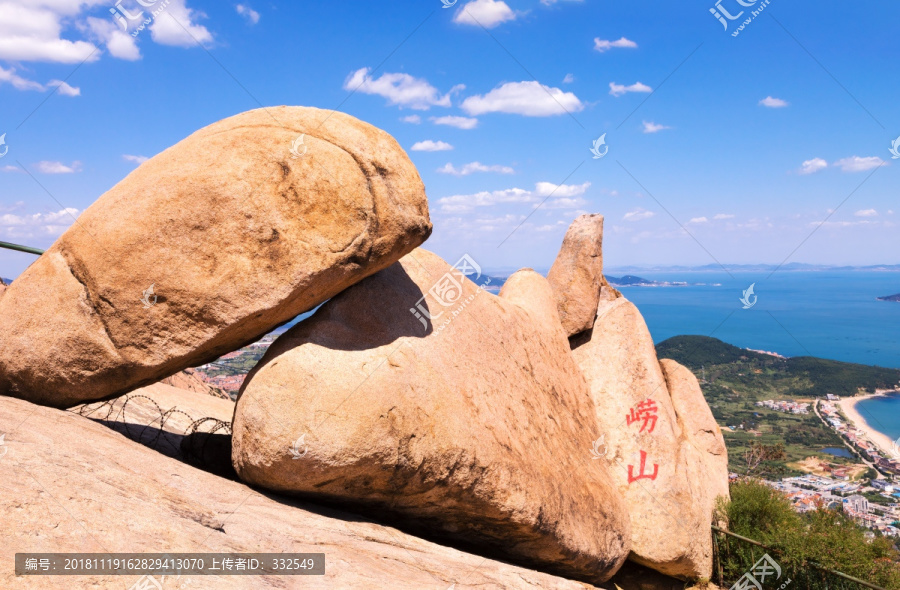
(740, 563)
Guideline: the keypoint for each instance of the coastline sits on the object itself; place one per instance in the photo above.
(879, 439)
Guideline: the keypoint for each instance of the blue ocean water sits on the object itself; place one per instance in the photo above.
(827, 314)
(882, 414)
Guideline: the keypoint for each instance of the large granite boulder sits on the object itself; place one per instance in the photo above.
(418, 395)
(71, 485)
(662, 448)
(205, 247)
(577, 274)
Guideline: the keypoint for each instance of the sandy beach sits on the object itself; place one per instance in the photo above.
(848, 406)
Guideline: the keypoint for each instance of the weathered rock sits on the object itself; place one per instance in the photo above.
(649, 443)
(234, 233)
(703, 446)
(577, 274)
(188, 379)
(476, 426)
(68, 484)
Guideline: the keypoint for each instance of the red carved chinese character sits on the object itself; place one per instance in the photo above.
(646, 411)
(643, 475)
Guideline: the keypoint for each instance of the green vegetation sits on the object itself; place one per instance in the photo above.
(797, 376)
(796, 541)
(734, 379)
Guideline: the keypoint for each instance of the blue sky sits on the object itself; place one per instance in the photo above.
(721, 148)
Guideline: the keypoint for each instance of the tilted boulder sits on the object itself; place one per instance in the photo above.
(460, 413)
(656, 446)
(577, 274)
(204, 248)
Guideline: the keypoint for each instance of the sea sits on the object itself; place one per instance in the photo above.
(827, 314)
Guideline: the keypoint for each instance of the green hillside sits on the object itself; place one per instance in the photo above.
(734, 379)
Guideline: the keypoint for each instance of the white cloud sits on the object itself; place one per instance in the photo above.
(248, 13)
(119, 43)
(602, 45)
(773, 103)
(565, 196)
(32, 31)
(719, 216)
(135, 159)
(414, 119)
(651, 127)
(37, 224)
(471, 167)
(18, 82)
(64, 88)
(400, 89)
(458, 122)
(568, 79)
(48, 167)
(485, 13)
(530, 99)
(857, 164)
(620, 89)
(10, 169)
(638, 215)
(176, 26)
(699, 220)
(866, 213)
(431, 146)
(812, 166)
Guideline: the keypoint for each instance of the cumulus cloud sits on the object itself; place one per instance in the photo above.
(858, 164)
(565, 196)
(472, 167)
(135, 159)
(431, 146)
(651, 127)
(32, 31)
(18, 82)
(568, 79)
(414, 119)
(812, 166)
(866, 213)
(50, 167)
(64, 88)
(530, 99)
(177, 26)
(248, 13)
(602, 45)
(620, 89)
(120, 44)
(38, 224)
(696, 220)
(485, 13)
(399, 89)
(458, 122)
(638, 215)
(773, 103)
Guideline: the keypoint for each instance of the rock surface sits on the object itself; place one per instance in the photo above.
(234, 234)
(68, 484)
(577, 274)
(475, 426)
(651, 442)
(188, 379)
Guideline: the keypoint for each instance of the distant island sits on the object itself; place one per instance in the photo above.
(890, 298)
(633, 281)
